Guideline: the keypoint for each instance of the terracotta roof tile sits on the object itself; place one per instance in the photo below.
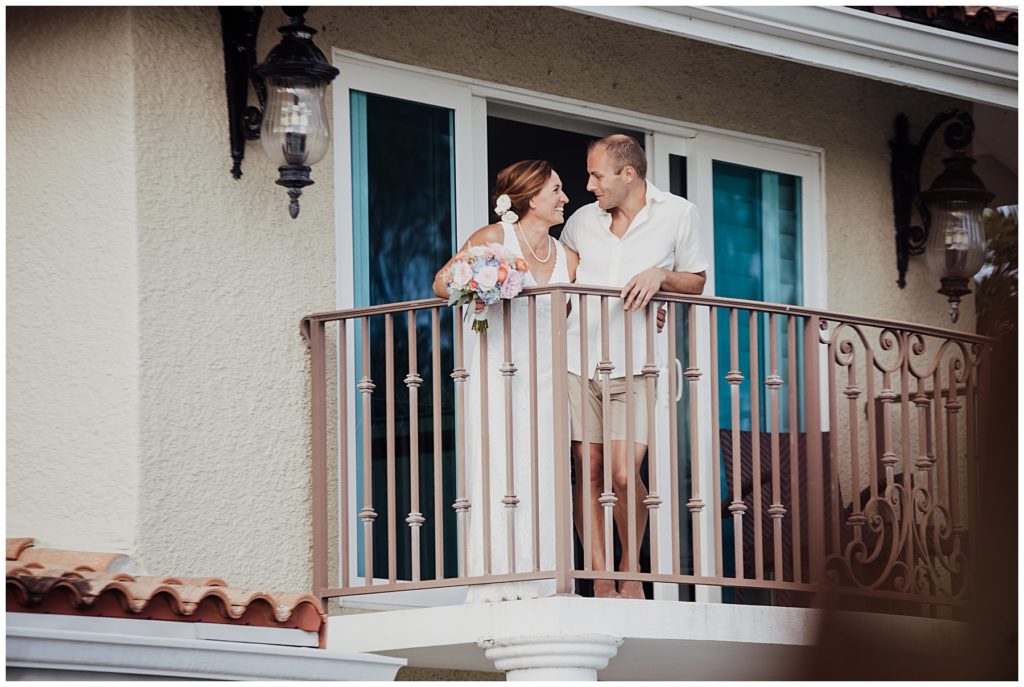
(16, 546)
(72, 560)
(26, 554)
(84, 585)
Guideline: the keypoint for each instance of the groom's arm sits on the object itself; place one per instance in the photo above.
(688, 275)
(639, 290)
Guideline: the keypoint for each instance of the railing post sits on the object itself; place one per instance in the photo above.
(314, 331)
(815, 477)
(560, 409)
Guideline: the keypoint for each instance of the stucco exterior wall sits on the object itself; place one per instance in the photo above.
(179, 406)
(72, 279)
(226, 277)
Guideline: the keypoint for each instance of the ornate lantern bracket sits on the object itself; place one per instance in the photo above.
(291, 87)
(952, 205)
(239, 27)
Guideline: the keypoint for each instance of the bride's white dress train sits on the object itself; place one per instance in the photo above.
(495, 430)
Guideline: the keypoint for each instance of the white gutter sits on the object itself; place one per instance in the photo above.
(845, 40)
(172, 649)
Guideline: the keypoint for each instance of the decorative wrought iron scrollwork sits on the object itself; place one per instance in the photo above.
(903, 539)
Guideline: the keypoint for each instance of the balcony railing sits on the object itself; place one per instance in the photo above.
(837, 453)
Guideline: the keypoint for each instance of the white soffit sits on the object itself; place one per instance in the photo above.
(845, 40)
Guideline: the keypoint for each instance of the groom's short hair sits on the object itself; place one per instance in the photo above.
(624, 150)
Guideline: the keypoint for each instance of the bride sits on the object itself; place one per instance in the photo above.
(537, 203)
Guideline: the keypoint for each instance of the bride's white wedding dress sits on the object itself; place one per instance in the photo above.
(495, 430)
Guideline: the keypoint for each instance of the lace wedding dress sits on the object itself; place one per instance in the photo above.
(495, 430)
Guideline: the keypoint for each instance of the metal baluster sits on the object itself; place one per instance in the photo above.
(343, 476)
(794, 447)
(755, 439)
(367, 514)
(652, 500)
(389, 395)
(734, 377)
(462, 505)
(413, 380)
(695, 505)
(510, 500)
(777, 511)
(716, 448)
(534, 456)
(435, 377)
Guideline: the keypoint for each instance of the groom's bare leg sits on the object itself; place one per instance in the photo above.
(602, 588)
(622, 463)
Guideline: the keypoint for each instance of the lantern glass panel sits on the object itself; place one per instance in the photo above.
(956, 247)
(295, 130)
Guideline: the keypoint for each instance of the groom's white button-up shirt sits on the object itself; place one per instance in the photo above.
(665, 233)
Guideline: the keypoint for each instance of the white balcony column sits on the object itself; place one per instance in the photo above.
(549, 657)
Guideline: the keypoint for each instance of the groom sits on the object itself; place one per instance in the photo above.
(642, 240)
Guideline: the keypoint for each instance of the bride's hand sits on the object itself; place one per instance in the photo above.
(480, 306)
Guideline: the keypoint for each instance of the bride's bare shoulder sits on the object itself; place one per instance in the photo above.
(492, 233)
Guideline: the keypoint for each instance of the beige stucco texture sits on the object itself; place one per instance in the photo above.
(157, 379)
(72, 279)
(226, 277)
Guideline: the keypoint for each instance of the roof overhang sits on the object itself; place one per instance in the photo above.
(845, 40)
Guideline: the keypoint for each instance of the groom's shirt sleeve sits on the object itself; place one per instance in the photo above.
(688, 254)
(569, 232)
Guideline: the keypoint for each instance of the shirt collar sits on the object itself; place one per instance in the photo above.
(654, 195)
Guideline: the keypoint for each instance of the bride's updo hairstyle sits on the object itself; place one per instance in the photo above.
(521, 182)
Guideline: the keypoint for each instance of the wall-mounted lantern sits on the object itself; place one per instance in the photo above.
(950, 234)
(291, 86)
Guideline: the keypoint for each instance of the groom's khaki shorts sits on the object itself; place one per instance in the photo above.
(616, 408)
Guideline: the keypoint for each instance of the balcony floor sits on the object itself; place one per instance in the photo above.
(664, 640)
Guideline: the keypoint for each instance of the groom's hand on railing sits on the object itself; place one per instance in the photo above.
(639, 290)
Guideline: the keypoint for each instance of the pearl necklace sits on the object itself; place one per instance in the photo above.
(530, 248)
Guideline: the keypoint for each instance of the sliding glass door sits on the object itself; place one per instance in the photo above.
(400, 150)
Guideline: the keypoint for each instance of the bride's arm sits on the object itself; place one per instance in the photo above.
(492, 233)
(572, 261)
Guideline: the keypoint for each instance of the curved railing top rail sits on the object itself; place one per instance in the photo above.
(583, 289)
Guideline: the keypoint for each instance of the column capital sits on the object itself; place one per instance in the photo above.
(551, 657)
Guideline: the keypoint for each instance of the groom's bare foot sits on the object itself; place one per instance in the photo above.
(605, 589)
(631, 590)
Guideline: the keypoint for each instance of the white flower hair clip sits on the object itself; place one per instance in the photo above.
(503, 208)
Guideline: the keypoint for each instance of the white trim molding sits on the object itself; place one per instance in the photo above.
(845, 40)
(60, 644)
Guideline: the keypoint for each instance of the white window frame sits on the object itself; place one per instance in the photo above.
(476, 99)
